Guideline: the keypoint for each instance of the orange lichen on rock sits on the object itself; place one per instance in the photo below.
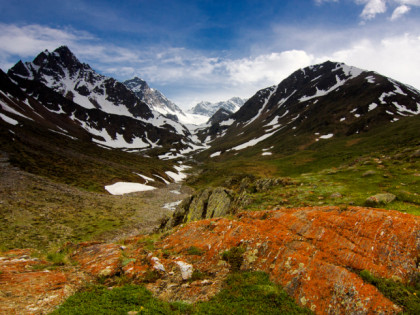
(26, 290)
(312, 252)
(99, 260)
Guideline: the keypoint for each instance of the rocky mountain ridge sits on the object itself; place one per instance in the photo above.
(320, 102)
(58, 105)
(102, 106)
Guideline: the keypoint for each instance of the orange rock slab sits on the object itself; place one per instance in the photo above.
(98, 259)
(314, 252)
(25, 290)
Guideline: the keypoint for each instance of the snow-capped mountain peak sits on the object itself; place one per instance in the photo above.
(110, 112)
(152, 97)
(321, 102)
(209, 109)
(65, 74)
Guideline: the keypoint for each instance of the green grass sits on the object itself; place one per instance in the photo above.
(119, 300)
(250, 293)
(41, 214)
(339, 171)
(297, 155)
(406, 296)
(348, 185)
(243, 293)
(192, 250)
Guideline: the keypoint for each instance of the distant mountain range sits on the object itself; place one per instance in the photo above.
(75, 97)
(58, 92)
(209, 109)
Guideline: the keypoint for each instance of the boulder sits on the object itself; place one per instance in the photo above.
(207, 204)
(380, 199)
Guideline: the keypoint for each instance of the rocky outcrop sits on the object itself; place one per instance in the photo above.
(207, 204)
(315, 253)
(26, 287)
(218, 202)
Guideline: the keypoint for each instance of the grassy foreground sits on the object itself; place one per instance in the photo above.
(243, 293)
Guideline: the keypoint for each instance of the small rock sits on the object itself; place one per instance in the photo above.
(368, 173)
(336, 195)
(380, 199)
(108, 271)
(186, 269)
(157, 265)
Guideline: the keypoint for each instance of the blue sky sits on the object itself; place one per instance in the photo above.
(195, 50)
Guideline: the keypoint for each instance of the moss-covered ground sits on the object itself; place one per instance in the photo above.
(243, 293)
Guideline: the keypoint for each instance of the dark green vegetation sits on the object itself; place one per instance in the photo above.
(337, 171)
(234, 258)
(250, 293)
(119, 300)
(243, 293)
(408, 297)
(194, 251)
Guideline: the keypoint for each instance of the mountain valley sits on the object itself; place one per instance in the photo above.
(310, 188)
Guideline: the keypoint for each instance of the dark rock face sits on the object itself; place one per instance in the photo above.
(153, 98)
(220, 115)
(210, 203)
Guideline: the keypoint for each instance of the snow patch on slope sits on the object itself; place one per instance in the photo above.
(121, 188)
(319, 93)
(253, 142)
(9, 120)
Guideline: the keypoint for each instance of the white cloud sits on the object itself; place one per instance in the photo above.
(372, 8)
(187, 76)
(267, 67)
(399, 12)
(30, 39)
(394, 56)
